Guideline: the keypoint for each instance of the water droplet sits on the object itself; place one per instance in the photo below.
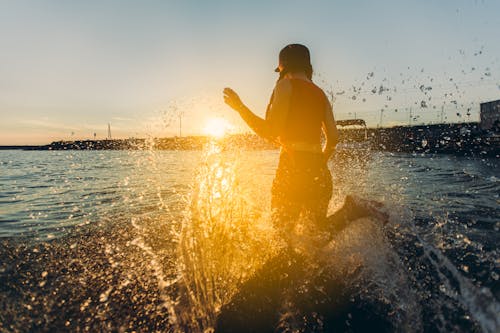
(85, 304)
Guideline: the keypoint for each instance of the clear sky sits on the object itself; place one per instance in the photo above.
(69, 68)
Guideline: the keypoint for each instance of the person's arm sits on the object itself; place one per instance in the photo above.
(330, 129)
(256, 123)
(271, 127)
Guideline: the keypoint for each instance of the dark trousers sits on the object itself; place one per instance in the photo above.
(302, 185)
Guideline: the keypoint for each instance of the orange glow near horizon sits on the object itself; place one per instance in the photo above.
(217, 127)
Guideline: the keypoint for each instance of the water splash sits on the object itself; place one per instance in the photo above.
(223, 241)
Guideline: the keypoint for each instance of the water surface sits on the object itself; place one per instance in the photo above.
(147, 240)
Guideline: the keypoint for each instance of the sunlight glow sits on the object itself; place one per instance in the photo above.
(217, 127)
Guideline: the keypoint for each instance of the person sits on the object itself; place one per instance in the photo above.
(297, 114)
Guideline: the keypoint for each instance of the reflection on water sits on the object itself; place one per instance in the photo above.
(161, 240)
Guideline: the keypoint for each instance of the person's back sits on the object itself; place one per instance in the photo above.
(306, 113)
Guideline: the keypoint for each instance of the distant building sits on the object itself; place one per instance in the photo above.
(490, 115)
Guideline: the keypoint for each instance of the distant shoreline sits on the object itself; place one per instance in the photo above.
(460, 138)
(247, 141)
(23, 147)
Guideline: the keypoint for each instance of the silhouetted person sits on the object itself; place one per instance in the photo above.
(297, 114)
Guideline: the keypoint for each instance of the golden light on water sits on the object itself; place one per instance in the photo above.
(217, 127)
(220, 244)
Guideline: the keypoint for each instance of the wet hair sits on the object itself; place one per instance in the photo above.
(295, 58)
(307, 69)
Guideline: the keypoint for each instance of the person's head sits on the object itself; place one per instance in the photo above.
(294, 58)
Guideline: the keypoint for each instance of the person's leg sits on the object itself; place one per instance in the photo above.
(284, 209)
(320, 198)
(284, 212)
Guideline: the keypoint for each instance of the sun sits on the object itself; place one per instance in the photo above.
(217, 127)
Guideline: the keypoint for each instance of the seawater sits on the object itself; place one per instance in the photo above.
(163, 240)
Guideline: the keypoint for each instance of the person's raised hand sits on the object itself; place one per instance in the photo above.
(232, 99)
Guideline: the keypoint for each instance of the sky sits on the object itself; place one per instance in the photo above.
(68, 68)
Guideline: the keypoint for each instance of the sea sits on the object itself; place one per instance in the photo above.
(183, 241)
